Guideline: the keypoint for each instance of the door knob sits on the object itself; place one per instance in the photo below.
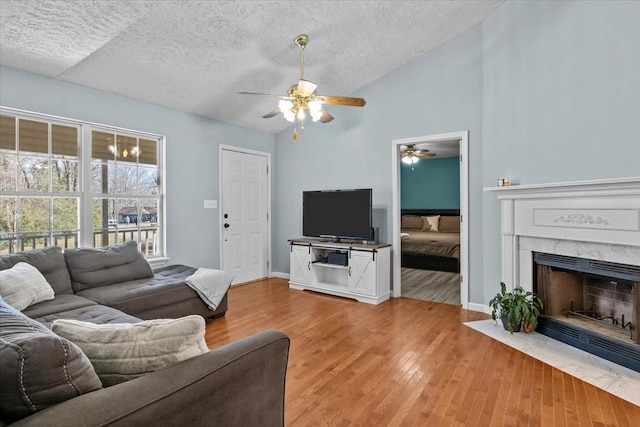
(226, 225)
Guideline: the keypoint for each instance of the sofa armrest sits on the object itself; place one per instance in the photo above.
(241, 384)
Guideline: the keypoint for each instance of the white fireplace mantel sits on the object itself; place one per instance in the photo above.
(597, 219)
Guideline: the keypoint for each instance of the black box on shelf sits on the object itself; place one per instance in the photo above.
(337, 258)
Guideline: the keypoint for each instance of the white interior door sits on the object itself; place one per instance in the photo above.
(244, 211)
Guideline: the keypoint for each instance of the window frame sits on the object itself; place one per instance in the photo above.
(84, 194)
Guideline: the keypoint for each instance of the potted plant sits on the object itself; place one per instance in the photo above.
(516, 309)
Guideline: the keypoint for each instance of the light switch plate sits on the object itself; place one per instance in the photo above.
(210, 204)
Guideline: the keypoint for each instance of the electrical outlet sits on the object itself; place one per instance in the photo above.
(210, 204)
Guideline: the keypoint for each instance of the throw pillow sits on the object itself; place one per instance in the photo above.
(23, 285)
(432, 221)
(49, 261)
(38, 368)
(122, 351)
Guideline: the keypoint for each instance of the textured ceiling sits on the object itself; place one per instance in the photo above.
(195, 56)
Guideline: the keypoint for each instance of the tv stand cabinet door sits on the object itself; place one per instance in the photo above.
(363, 273)
(300, 264)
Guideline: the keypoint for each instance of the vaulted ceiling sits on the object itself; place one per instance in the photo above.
(196, 56)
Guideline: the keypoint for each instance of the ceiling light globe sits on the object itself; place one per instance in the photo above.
(314, 106)
(285, 105)
(409, 160)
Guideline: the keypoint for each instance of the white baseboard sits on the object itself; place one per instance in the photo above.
(280, 275)
(483, 308)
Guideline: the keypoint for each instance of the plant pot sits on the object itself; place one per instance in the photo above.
(505, 324)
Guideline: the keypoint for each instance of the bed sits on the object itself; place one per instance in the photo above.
(430, 239)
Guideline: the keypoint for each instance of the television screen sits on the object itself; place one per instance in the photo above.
(337, 214)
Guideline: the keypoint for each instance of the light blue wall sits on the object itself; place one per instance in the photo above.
(437, 93)
(561, 100)
(191, 151)
(430, 184)
(548, 90)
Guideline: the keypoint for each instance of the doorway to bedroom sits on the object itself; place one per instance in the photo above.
(430, 203)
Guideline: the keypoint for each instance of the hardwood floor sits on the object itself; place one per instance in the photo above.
(407, 362)
(430, 285)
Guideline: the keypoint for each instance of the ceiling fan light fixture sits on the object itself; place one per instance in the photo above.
(302, 100)
(409, 160)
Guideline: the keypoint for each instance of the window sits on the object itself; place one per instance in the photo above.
(75, 184)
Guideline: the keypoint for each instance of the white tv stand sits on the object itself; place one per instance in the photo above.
(366, 277)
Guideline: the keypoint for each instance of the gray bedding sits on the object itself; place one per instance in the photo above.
(431, 243)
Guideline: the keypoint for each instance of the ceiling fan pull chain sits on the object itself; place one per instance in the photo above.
(294, 136)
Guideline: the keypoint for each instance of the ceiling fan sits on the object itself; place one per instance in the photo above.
(302, 100)
(410, 155)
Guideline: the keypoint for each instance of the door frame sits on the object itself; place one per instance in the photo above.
(463, 138)
(224, 147)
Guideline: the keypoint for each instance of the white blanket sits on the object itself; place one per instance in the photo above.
(210, 284)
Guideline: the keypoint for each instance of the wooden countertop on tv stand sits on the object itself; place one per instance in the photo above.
(329, 243)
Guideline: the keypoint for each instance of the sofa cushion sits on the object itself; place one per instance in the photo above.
(49, 261)
(120, 352)
(23, 285)
(95, 267)
(137, 296)
(94, 313)
(37, 367)
(59, 304)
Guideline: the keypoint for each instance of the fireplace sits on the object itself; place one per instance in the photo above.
(578, 245)
(590, 304)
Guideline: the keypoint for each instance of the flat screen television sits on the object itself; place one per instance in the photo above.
(338, 214)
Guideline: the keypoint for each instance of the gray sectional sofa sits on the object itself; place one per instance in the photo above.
(238, 384)
(109, 285)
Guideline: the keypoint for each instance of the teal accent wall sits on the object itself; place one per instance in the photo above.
(430, 184)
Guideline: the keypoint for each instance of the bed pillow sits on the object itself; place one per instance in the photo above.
(432, 221)
(23, 285)
(123, 351)
(450, 224)
(413, 222)
(38, 368)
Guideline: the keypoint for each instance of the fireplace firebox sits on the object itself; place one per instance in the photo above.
(590, 304)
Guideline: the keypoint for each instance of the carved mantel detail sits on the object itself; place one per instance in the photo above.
(581, 218)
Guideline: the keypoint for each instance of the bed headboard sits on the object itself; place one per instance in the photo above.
(430, 212)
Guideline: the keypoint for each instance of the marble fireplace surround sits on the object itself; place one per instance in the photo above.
(598, 220)
(589, 219)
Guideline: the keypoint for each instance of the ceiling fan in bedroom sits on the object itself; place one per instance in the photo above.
(302, 100)
(411, 155)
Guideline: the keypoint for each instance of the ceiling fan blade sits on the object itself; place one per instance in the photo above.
(342, 100)
(306, 88)
(418, 154)
(271, 114)
(326, 117)
(265, 94)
